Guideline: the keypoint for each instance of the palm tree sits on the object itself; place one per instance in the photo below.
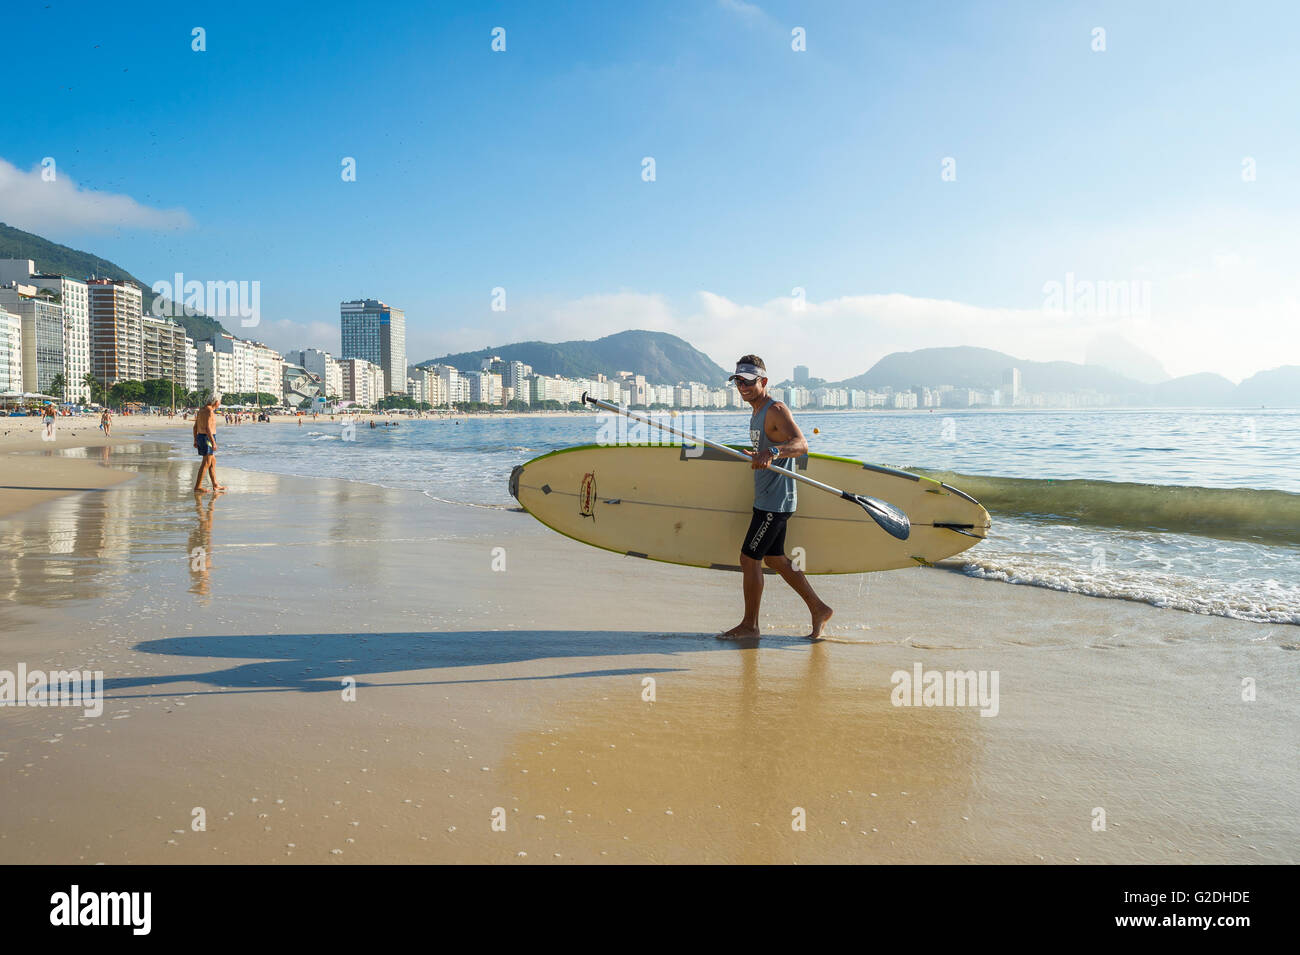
(92, 383)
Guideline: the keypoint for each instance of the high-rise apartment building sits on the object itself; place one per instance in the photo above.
(41, 319)
(116, 331)
(1011, 385)
(73, 297)
(229, 365)
(516, 375)
(376, 332)
(42, 329)
(163, 345)
(363, 381)
(11, 352)
(455, 384)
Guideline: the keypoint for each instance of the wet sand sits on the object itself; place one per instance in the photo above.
(523, 690)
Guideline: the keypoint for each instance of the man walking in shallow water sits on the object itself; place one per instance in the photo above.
(777, 441)
(205, 442)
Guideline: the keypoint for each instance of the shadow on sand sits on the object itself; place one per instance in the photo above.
(316, 662)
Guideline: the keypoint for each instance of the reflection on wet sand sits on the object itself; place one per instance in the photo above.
(199, 551)
(715, 769)
(84, 546)
(76, 547)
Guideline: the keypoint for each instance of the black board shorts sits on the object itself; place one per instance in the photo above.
(204, 444)
(766, 535)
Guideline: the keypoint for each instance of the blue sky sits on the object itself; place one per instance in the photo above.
(775, 169)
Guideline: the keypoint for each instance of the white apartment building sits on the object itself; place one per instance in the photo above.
(164, 344)
(74, 298)
(363, 381)
(11, 352)
(228, 365)
(483, 387)
(41, 319)
(455, 384)
(432, 387)
(554, 388)
(516, 376)
(268, 367)
(436, 388)
(214, 369)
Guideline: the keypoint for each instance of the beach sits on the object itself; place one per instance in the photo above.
(328, 672)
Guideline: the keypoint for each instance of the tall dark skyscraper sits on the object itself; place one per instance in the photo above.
(376, 332)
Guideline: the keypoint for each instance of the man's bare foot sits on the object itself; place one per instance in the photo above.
(222, 487)
(819, 618)
(200, 490)
(740, 632)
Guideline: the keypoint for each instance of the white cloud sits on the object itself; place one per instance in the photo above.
(742, 8)
(286, 335)
(28, 201)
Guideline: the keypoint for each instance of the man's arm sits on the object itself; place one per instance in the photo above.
(789, 443)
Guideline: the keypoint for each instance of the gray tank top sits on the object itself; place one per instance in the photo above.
(772, 492)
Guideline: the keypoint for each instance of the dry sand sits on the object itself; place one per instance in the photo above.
(521, 691)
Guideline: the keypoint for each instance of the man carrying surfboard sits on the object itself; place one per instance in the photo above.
(776, 441)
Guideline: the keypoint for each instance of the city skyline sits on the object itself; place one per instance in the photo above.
(900, 180)
(148, 348)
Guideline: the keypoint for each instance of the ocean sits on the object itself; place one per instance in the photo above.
(1191, 510)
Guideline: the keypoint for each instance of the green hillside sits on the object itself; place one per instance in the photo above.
(61, 260)
(660, 357)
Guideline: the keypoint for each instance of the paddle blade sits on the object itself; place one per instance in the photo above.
(890, 518)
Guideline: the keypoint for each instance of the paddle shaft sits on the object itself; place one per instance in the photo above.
(740, 455)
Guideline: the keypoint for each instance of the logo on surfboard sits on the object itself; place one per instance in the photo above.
(587, 495)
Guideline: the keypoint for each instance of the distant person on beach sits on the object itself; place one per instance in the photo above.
(776, 441)
(106, 422)
(48, 419)
(205, 442)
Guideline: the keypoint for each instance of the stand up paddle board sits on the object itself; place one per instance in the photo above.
(692, 506)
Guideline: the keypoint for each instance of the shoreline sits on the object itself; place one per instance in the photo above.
(33, 472)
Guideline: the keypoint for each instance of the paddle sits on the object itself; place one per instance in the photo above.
(889, 517)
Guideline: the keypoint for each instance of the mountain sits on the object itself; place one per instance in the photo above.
(1276, 388)
(982, 368)
(1123, 357)
(660, 357)
(1205, 390)
(61, 260)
